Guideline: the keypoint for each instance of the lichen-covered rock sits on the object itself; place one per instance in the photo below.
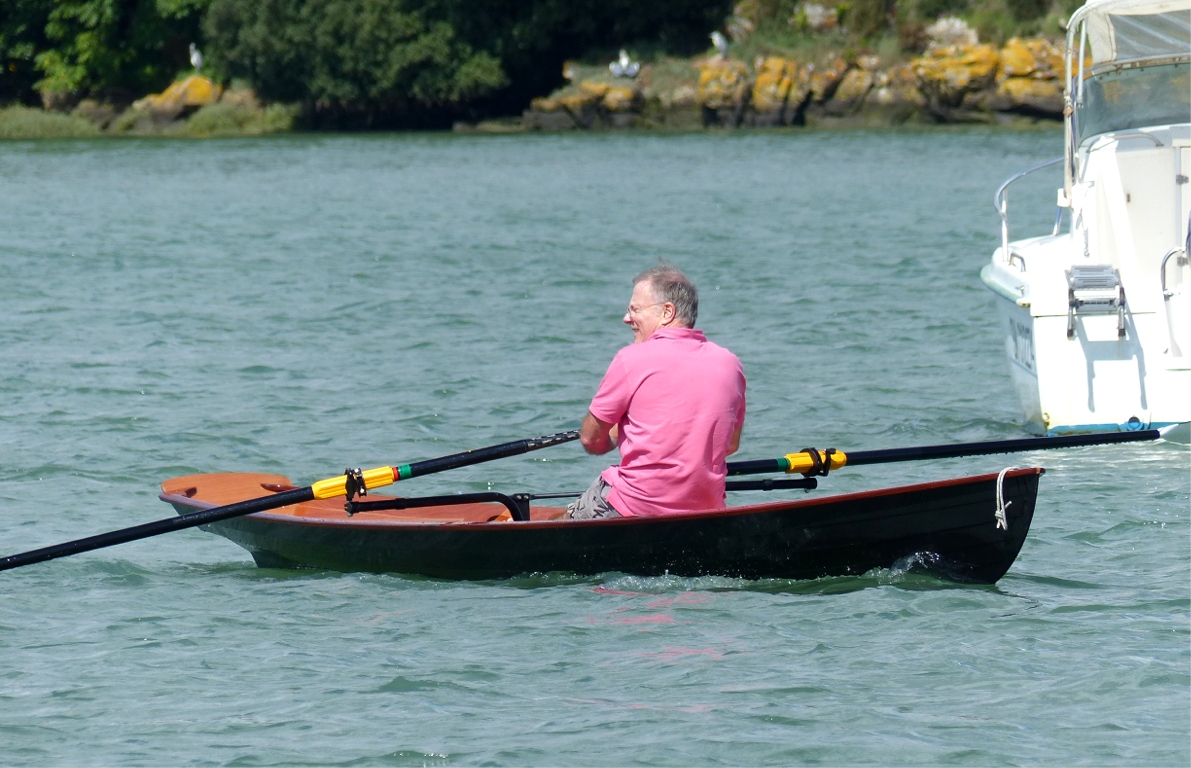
(949, 73)
(1037, 58)
(772, 84)
(722, 84)
(851, 92)
(574, 102)
(622, 99)
(593, 103)
(582, 104)
(870, 62)
(800, 86)
(896, 87)
(682, 96)
(548, 120)
(1031, 96)
(894, 97)
(779, 91)
(826, 77)
(1029, 78)
(593, 89)
(183, 96)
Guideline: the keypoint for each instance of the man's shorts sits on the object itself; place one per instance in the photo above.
(593, 503)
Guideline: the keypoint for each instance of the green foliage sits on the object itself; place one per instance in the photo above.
(116, 49)
(933, 9)
(22, 36)
(347, 52)
(411, 62)
(866, 19)
(20, 122)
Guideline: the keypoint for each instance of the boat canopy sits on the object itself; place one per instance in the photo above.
(1120, 32)
(1128, 67)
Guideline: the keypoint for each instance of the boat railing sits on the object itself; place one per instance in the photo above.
(1122, 135)
(1001, 202)
(1180, 261)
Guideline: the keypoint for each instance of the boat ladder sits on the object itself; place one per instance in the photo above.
(1095, 289)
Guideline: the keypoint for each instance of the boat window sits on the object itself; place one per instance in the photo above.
(1118, 38)
(1134, 98)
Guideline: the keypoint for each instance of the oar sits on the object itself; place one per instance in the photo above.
(811, 461)
(323, 489)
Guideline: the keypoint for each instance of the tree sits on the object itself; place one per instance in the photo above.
(116, 49)
(367, 58)
(405, 63)
(22, 37)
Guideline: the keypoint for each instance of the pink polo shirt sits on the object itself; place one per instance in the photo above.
(677, 399)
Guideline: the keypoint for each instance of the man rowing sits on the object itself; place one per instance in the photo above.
(672, 402)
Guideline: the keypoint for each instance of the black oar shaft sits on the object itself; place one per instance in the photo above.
(157, 527)
(923, 452)
(480, 455)
(757, 467)
(953, 450)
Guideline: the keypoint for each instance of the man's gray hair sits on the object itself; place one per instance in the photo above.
(669, 284)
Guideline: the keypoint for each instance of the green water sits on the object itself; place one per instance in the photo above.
(297, 305)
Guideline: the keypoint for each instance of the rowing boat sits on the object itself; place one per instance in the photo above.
(966, 529)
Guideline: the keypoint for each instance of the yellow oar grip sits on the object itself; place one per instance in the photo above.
(801, 462)
(337, 486)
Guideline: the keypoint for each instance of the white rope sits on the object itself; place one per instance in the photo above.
(1002, 505)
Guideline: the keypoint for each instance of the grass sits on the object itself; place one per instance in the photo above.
(223, 119)
(237, 120)
(19, 122)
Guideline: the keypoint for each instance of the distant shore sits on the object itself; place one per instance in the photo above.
(1017, 84)
(193, 107)
(958, 83)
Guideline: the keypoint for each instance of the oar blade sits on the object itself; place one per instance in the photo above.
(323, 489)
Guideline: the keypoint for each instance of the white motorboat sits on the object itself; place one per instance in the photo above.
(1097, 318)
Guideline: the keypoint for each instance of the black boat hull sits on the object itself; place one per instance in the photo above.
(947, 528)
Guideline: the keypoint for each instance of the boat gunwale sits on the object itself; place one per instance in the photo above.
(775, 506)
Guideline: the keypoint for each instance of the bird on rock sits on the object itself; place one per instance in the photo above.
(720, 42)
(624, 66)
(196, 58)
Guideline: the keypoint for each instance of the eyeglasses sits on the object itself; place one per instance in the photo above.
(638, 310)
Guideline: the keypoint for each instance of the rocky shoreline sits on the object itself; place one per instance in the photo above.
(959, 83)
(1021, 81)
(192, 107)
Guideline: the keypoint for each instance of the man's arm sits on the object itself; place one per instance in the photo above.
(598, 437)
(734, 445)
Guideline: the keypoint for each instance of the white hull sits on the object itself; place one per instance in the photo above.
(1097, 320)
(1094, 381)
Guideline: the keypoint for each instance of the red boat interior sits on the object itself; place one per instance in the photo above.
(216, 490)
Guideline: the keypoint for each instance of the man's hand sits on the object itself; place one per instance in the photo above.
(598, 437)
